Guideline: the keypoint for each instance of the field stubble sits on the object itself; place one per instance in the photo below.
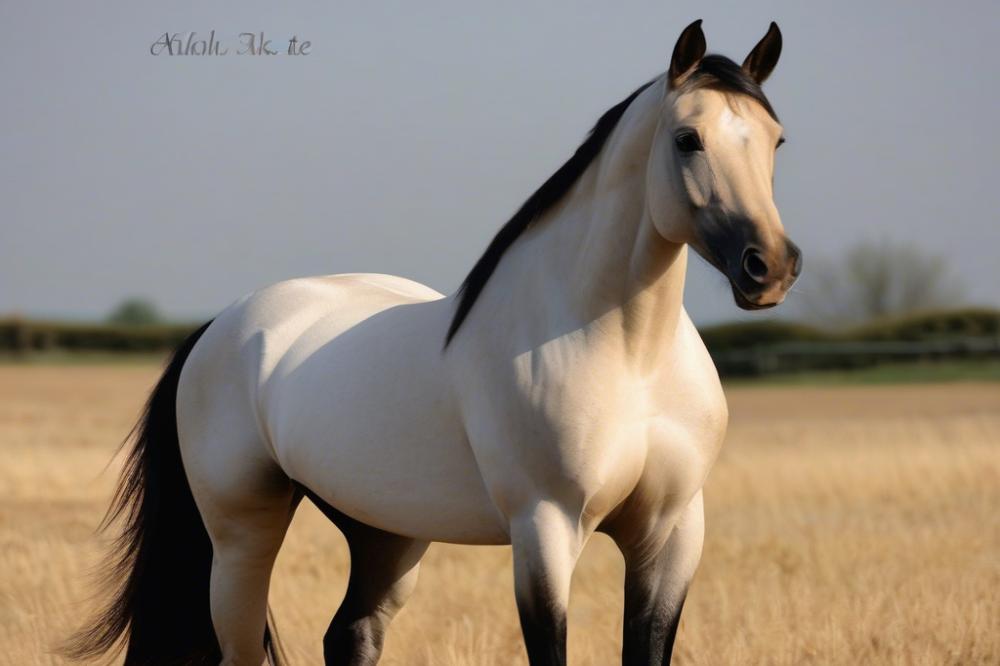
(845, 525)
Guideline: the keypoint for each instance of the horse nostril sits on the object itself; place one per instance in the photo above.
(795, 255)
(754, 265)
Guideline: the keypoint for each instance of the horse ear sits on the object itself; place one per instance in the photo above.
(762, 59)
(688, 52)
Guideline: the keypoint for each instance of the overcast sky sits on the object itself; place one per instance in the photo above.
(411, 131)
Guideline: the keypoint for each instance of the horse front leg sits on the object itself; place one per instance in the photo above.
(546, 543)
(656, 584)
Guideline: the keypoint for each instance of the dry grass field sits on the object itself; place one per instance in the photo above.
(846, 525)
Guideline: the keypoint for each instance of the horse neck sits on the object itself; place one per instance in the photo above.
(596, 261)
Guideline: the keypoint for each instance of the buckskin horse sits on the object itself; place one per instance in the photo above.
(562, 390)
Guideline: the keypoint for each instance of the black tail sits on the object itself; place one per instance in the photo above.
(162, 560)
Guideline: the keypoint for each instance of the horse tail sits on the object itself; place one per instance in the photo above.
(161, 562)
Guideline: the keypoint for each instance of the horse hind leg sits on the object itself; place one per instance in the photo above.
(384, 570)
(247, 523)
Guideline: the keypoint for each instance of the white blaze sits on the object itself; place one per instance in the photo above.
(734, 126)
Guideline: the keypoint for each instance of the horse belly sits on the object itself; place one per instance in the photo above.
(406, 490)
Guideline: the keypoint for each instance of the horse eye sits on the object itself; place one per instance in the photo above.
(688, 142)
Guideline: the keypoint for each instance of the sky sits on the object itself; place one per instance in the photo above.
(411, 131)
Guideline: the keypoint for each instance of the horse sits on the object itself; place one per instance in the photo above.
(561, 391)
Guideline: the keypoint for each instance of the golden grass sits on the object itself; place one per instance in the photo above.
(848, 525)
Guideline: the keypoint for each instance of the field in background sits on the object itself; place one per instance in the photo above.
(845, 525)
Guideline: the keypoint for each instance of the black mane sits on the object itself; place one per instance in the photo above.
(714, 71)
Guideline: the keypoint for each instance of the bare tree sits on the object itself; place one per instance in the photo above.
(877, 279)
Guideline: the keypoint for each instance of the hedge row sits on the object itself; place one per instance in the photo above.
(766, 347)
(25, 336)
(739, 349)
(921, 327)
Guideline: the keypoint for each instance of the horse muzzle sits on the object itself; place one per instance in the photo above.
(761, 280)
(759, 273)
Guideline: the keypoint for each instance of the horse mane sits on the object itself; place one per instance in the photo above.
(714, 71)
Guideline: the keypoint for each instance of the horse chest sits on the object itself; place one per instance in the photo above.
(591, 439)
(682, 438)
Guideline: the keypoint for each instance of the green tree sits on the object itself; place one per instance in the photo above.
(135, 312)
